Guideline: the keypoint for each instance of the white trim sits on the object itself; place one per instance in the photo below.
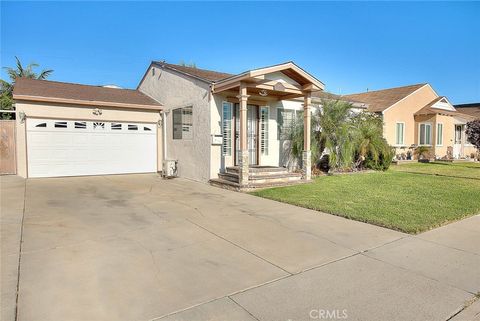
(436, 134)
(383, 111)
(232, 134)
(403, 136)
(425, 123)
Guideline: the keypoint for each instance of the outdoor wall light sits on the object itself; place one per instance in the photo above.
(22, 116)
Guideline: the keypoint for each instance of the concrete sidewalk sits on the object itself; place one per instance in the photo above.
(135, 247)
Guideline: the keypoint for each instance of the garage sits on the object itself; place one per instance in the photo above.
(66, 129)
(77, 147)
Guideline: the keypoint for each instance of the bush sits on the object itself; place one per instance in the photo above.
(473, 133)
(383, 163)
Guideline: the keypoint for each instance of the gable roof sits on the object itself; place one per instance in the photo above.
(379, 100)
(469, 109)
(204, 74)
(62, 92)
(430, 108)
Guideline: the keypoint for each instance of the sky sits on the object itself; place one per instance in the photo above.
(350, 46)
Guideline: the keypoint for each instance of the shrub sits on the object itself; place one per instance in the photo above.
(473, 133)
(382, 163)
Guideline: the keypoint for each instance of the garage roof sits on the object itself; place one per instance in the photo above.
(69, 93)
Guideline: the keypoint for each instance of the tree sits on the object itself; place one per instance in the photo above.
(473, 133)
(6, 88)
(336, 131)
(371, 149)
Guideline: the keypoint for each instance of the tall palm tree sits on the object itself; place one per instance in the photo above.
(6, 87)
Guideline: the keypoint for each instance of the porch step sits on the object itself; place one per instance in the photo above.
(218, 182)
(259, 171)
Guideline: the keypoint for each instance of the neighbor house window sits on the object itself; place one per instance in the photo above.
(439, 134)
(285, 121)
(400, 134)
(425, 134)
(264, 116)
(182, 123)
(227, 128)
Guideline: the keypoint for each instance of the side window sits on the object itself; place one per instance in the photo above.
(60, 124)
(285, 120)
(264, 116)
(227, 129)
(116, 126)
(80, 124)
(183, 123)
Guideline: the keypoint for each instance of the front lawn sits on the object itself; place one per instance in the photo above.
(411, 197)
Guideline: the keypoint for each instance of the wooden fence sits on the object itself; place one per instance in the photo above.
(8, 163)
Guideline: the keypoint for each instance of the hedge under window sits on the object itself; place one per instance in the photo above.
(182, 123)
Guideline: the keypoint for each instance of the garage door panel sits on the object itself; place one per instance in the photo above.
(92, 149)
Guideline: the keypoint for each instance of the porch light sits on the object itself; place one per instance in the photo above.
(263, 93)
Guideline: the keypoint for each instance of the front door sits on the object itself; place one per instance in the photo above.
(252, 134)
(457, 144)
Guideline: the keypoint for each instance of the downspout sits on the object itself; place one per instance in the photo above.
(164, 135)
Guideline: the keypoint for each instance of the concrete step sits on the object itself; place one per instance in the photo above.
(253, 185)
(265, 171)
(229, 177)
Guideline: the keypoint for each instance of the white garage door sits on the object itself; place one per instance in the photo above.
(74, 148)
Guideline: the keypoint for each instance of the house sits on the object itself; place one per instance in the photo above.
(416, 115)
(220, 127)
(472, 109)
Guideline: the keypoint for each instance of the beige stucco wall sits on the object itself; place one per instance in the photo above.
(70, 112)
(175, 90)
(404, 111)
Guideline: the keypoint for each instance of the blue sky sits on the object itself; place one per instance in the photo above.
(350, 46)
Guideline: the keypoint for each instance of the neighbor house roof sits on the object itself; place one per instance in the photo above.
(379, 100)
(469, 109)
(319, 95)
(208, 75)
(61, 92)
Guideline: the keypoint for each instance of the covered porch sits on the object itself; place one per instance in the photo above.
(251, 93)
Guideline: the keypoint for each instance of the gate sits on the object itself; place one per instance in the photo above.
(8, 164)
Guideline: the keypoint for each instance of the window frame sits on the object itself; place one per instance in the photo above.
(183, 124)
(264, 132)
(280, 126)
(227, 133)
(439, 136)
(402, 144)
(419, 134)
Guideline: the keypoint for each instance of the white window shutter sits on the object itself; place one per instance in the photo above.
(264, 116)
(227, 129)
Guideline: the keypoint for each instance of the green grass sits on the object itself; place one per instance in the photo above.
(411, 197)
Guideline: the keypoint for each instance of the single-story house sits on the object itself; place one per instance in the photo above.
(217, 126)
(472, 109)
(416, 115)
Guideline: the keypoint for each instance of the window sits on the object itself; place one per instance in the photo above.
(425, 134)
(60, 124)
(458, 134)
(400, 134)
(182, 123)
(116, 126)
(439, 134)
(227, 129)
(285, 120)
(98, 126)
(41, 125)
(81, 124)
(147, 129)
(132, 127)
(264, 115)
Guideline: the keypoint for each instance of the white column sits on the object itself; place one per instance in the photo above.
(244, 160)
(307, 153)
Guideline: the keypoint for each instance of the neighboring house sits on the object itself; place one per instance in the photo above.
(416, 115)
(216, 125)
(472, 109)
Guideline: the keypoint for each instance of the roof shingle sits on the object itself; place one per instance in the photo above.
(45, 89)
(208, 75)
(379, 100)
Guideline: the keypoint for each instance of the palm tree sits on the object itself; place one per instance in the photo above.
(6, 87)
(26, 72)
(368, 140)
(336, 131)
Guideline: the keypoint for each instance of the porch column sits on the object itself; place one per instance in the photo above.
(307, 153)
(243, 161)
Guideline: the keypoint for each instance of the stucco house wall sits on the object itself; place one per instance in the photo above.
(67, 112)
(176, 90)
(403, 111)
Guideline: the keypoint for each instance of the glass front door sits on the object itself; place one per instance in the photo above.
(252, 133)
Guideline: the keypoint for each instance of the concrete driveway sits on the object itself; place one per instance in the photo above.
(137, 247)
